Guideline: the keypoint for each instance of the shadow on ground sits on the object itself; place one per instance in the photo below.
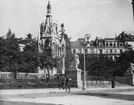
(109, 95)
(24, 103)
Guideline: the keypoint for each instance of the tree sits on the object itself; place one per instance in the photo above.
(124, 61)
(12, 59)
(29, 57)
(47, 61)
(98, 66)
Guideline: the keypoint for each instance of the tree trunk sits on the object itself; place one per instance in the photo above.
(48, 72)
(16, 74)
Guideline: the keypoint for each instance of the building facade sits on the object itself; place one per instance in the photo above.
(111, 47)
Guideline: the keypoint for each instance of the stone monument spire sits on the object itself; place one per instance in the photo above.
(48, 33)
(49, 8)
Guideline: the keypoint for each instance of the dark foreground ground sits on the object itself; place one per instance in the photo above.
(23, 103)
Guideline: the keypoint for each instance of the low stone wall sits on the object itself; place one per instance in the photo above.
(6, 75)
(94, 78)
(98, 82)
(20, 75)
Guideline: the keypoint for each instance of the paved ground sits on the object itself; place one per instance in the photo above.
(92, 96)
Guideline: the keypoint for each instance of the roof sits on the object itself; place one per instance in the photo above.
(125, 36)
(110, 39)
(76, 44)
(129, 32)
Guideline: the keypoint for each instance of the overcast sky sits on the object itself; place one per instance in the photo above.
(102, 18)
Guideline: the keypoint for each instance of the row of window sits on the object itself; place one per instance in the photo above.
(99, 51)
(110, 44)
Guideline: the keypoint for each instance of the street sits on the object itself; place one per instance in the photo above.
(88, 97)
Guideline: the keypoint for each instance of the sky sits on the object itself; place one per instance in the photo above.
(102, 18)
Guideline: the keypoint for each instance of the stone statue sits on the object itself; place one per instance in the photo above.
(130, 69)
(75, 63)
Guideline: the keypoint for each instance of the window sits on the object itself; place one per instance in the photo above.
(92, 51)
(100, 44)
(80, 51)
(110, 44)
(121, 51)
(85, 50)
(100, 51)
(74, 51)
(114, 44)
(121, 44)
(118, 44)
(111, 51)
(106, 44)
(106, 50)
(115, 51)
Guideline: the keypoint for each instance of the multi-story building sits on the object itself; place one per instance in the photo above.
(111, 47)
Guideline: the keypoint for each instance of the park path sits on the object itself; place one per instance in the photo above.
(76, 97)
(55, 90)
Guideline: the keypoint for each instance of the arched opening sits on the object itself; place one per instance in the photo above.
(47, 43)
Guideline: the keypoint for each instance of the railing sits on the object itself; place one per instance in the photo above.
(120, 80)
(20, 75)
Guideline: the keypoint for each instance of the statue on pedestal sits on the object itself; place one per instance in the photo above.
(130, 69)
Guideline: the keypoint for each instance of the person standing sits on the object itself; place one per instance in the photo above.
(67, 83)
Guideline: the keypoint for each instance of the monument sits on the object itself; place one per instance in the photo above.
(48, 38)
(75, 73)
(129, 75)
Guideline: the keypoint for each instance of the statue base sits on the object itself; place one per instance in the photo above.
(75, 75)
(129, 77)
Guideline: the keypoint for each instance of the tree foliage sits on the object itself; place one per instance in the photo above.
(98, 66)
(124, 61)
(12, 59)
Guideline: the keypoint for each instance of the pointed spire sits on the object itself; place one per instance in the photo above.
(49, 8)
(39, 43)
(62, 29)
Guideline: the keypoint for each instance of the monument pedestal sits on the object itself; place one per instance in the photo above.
(75, 75)
(129, 77)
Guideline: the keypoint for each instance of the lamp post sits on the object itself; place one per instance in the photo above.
(86, 42)
(63, 48)
(133, 8)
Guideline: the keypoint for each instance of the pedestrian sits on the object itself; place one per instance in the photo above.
(113, 83)
(63, 82)
(59, 81)
(67, 83)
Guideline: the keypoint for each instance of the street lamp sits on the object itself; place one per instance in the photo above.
(86, 42)
(63, 48)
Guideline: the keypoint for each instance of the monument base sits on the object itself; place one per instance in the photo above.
(75, 75)
(129, 77)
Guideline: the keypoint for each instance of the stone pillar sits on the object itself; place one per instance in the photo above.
(75, 75)
(129, 78)
(63, 65)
